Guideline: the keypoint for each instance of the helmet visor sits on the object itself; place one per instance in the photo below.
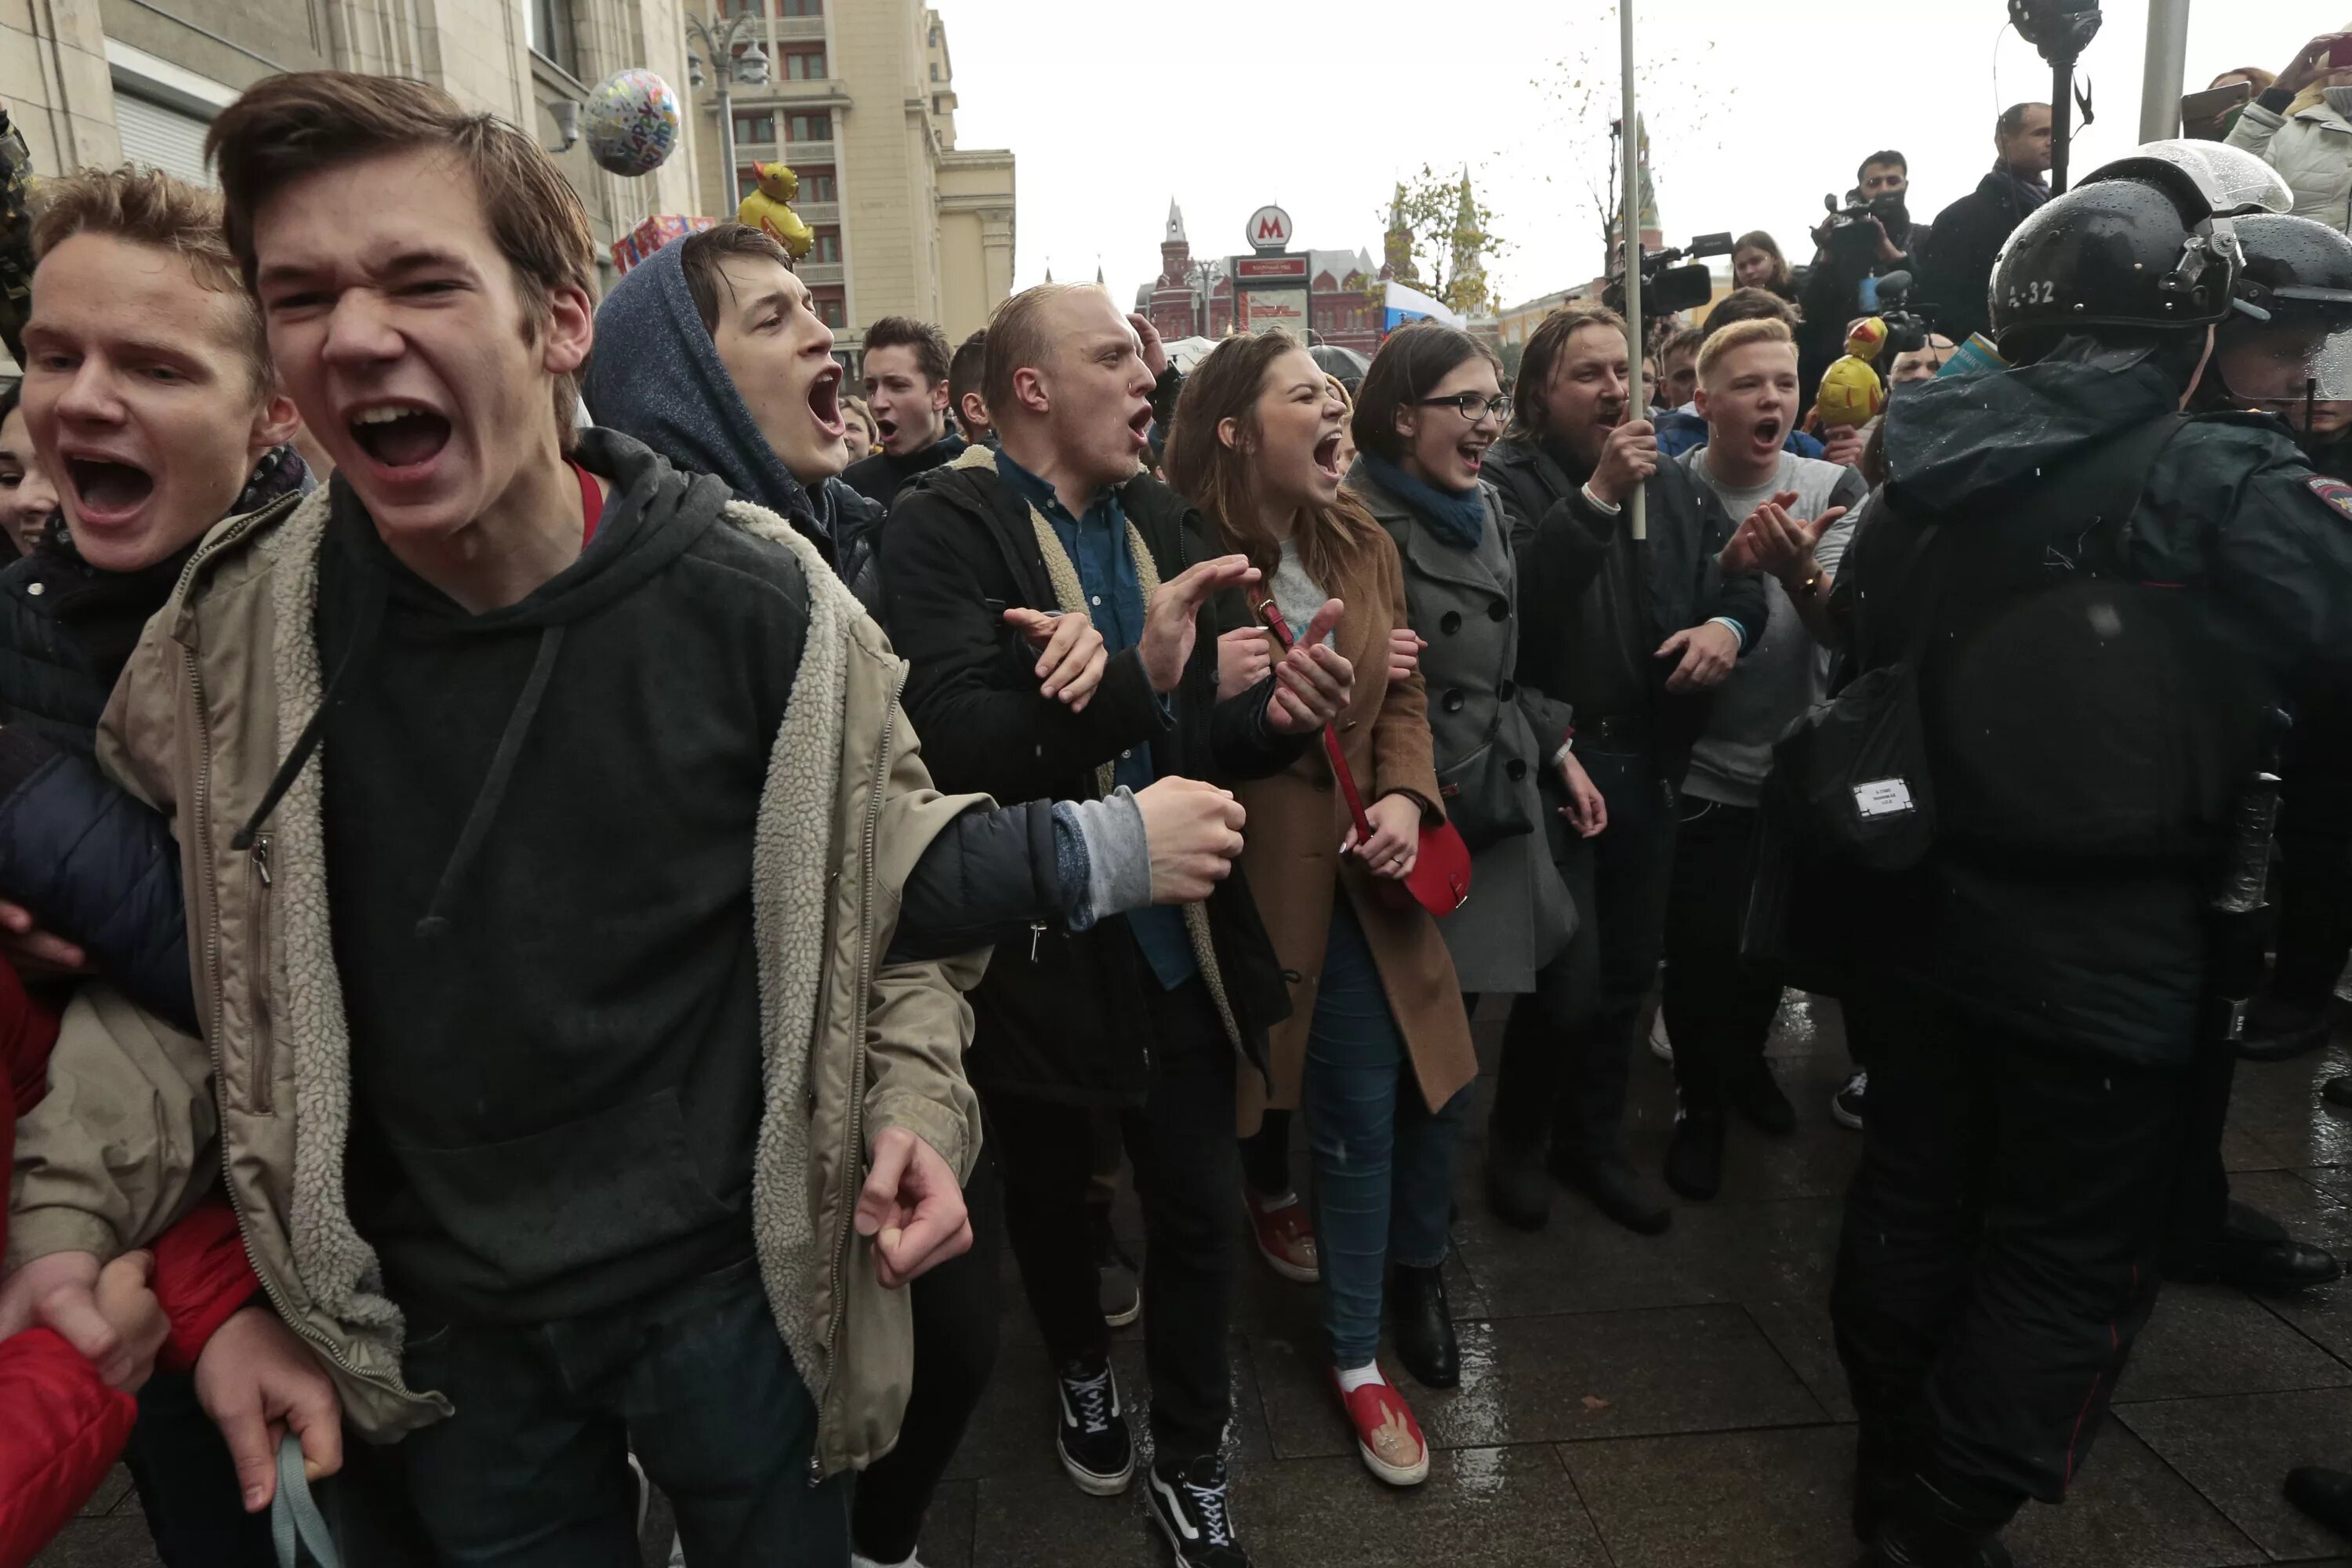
(2289, 361)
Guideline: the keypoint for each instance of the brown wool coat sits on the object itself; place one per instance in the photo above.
(1297, 820)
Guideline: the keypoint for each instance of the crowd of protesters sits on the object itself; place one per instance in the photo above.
(563, 931)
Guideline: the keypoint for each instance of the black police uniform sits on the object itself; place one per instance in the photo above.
(2113, 594)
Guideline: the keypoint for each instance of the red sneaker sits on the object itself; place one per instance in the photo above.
(1285, 1238)
(1387, 1436)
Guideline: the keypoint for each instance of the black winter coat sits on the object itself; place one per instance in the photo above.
(1956, 264)
(91, 862)
(1562, 539)
(2083, 779)
(1058, 1016)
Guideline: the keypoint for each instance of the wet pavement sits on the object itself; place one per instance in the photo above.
(1675, 1401)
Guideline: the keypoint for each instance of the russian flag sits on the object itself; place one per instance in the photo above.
(1412, 305)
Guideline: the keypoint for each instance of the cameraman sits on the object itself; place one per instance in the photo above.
(1856, 247)
(1959, 251)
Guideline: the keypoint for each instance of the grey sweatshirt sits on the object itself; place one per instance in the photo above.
(1785, 674)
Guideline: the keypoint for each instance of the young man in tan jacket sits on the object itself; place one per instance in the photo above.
(588, 1107)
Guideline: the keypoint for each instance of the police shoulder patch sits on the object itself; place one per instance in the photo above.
(2338, 496)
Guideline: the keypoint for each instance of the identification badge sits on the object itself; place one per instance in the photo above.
(1882, 797)
(2336, 495)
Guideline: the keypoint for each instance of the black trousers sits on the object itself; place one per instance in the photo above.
(1998, 1257)
(1187, 1170)
(956, 1310)
(1718, 1010)
(1568, 1047)
(2314, 911)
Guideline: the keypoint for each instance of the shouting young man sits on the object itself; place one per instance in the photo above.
(1148, 1014)
(907, 387)
(590, 1109)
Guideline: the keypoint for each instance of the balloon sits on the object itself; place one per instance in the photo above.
(630, 121)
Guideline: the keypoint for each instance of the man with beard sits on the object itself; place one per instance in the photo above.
(907, 387)
(1633, 657)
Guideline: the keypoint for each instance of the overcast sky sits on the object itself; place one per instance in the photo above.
(1758, 109)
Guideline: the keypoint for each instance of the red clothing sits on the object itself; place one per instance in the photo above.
(61, 1429)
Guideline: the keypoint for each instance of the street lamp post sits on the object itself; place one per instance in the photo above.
(1203, 277)
(714, 40)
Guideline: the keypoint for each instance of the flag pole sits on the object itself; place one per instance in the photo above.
(1629, 232)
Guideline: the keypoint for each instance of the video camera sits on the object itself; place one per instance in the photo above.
(1848, 236)
(1667, 287)
(1907, 329)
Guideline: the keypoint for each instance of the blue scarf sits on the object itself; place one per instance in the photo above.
(1458, 517)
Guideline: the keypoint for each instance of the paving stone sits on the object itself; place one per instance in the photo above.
(110, 1495)
(1800, 1332)
(1754, 1499)
(2237, 1451)
(1495, 1508)
(2127, 1506)
(948, 1527)
(119, 1540)
(1546, 1380)
(1011, 1433)
(2209, 1339)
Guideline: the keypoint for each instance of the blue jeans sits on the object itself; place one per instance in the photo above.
(532, 1470)
(1383, 1160)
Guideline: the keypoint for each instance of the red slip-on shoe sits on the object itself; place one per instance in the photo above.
(1387, 1436)
(1286, 1239)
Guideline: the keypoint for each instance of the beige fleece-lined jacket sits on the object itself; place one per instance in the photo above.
(142, 1117)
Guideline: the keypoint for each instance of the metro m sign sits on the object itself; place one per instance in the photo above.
(1269, 230)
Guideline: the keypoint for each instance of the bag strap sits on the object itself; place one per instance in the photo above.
(296, 1525)
(1263, 603)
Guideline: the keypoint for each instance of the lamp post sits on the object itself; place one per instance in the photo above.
(714, 40)
(1203, 277)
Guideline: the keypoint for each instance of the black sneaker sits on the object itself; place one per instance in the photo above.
(1845, 1105)
(1189, 1502)
(1096, 1446)
(1695, 1155)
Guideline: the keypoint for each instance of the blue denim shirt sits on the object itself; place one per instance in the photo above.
(1096, 545)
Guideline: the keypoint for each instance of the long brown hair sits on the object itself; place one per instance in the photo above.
(1529, 408)
(1218, 479)
(1783, 281)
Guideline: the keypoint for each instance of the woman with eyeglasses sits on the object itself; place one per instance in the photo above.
(1377, 1050)
(1428, 410)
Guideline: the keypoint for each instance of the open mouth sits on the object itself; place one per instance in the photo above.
(106, 490)
(1327, 455)
(1769, 434)
(400, 436)
(1472, 455)
(1139, 425)
(824, 402)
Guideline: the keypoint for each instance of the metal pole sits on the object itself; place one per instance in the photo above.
(2162, 83)
(1630, 233)
(2062, 123)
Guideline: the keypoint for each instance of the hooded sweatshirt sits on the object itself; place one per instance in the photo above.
(657, 375)
(555, 1038)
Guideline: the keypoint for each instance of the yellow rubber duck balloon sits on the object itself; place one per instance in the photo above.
(769, 207)
(1852, 394)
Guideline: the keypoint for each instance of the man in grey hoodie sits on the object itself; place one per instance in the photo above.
(1718, 1012)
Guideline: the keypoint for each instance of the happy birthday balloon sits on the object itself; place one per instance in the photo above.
(631, 121)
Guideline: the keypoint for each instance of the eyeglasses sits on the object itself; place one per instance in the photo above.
(1472, 407)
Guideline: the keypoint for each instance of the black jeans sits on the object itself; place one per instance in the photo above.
(532, 1471)
(1568, 1048)
(1718, 1010)
(1187, 1170)
(956, 1315)
(1998, 1257)
(187, 1482)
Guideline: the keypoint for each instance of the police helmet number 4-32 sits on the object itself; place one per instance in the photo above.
(2041, 293)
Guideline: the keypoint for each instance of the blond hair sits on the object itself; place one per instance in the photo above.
(147, 207)
(1737, 336)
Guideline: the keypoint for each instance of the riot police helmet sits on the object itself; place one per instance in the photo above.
(2287, 343)
(2144, 245)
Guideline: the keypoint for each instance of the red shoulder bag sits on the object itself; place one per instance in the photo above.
(1439, 879)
